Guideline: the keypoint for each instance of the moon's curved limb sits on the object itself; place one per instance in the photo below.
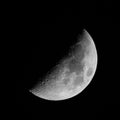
(90, 61)
(91, 58)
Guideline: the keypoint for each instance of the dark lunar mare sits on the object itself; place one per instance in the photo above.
(75, 64)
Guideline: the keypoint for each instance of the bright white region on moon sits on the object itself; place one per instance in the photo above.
(59, 91)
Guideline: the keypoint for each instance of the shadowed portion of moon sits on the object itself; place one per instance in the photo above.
(84, 54)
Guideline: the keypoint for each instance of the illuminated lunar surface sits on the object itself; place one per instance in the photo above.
(77, 81)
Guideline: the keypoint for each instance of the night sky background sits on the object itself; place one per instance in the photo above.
(47, 30)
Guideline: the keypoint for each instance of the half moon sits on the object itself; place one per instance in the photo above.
(58, 93)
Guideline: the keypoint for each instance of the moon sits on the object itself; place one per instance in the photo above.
(76, 76)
